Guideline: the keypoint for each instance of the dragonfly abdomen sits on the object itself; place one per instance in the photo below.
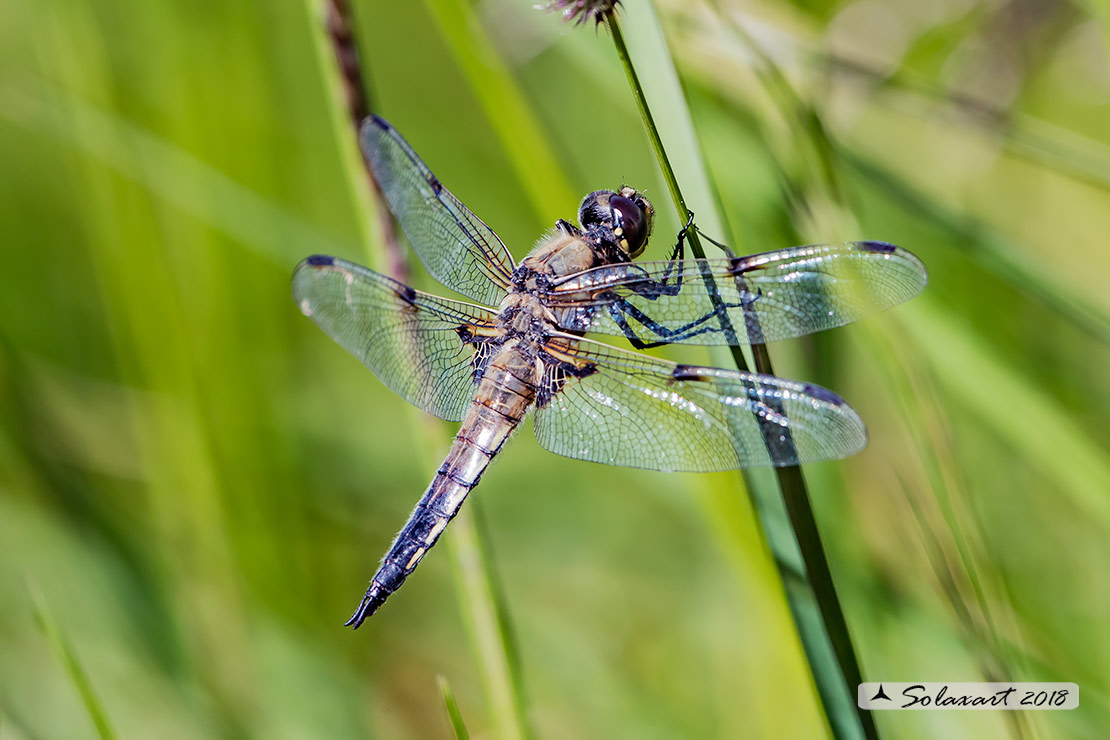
(502, 399)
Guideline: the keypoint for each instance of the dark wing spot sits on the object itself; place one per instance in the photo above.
(739, 265)
(381, 122)
(583, 372)
(686, 372)
(483, 353)
(320, 260)
(548, 389)
(556, 376)
(437, 186)
(870, 246)
(405, 293)
(824, 394)
(483, 347)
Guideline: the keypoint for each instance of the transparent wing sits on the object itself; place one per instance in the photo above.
(456, 247)
(427, 349)
(607, 405)
(766, 297)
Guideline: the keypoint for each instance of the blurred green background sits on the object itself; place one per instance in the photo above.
(200, 483)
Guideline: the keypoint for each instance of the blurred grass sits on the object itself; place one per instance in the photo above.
(63, 651)
(201, 482)
(454, 716)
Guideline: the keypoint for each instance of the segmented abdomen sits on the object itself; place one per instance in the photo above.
(503, 397)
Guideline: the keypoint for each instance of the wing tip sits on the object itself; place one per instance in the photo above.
(375, 120)
(873, 245)
(301, 272)
(824, 394)
(369, 135)
(844, 432)
(880, 247)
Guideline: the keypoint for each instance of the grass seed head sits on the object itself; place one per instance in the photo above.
(581, 11)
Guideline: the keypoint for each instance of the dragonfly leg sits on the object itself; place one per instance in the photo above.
(723, 247)
(680, 246)
(620, 311)
(652, 289)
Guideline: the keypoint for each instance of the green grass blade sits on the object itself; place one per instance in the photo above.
(325, 56)
(1035, 140)
(940, 508)
(814, 604)
(454, 716)
(990, 250)
(487, 623)
(161, 168)
(65, 654)
(669, 176)
(511, 118)
(1017, 410)
(819, 182)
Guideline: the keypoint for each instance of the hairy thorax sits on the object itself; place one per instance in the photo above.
(564, 252)
(523, 313)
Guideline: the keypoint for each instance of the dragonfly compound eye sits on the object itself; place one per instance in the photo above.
(631, 224)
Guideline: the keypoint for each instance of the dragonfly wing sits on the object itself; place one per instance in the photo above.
(456, 247)
(608, 405)
(764, 297)
(429, 350)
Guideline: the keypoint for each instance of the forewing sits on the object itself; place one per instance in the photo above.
(765, 297)
(456, 247)
(607, 405)
(427, 349)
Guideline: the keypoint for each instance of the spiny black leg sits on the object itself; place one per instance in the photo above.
(723, 247)
(680, 246)
(620, 311)
(618, 316)
(652, 289)
(670, 336)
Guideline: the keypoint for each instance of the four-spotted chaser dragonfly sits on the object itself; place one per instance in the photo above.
(488, 367)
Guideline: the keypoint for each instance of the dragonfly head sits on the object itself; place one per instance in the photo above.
(623, 218)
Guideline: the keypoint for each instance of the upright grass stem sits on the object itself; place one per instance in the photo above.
(77, 675)
(692, 237)
(483, 605)
(454, 715)
(824, 634)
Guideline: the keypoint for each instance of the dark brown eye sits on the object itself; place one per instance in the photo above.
(629, 224)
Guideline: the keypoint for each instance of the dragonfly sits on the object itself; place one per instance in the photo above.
(518, 346)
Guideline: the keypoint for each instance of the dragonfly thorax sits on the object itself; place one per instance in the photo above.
(524, 314)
